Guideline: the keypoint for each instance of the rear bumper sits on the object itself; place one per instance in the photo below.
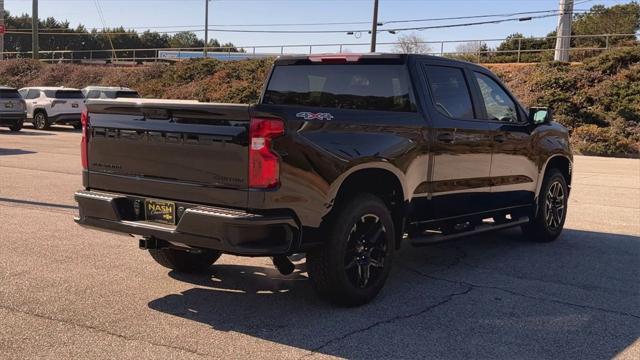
(11, 118)
(227, 230)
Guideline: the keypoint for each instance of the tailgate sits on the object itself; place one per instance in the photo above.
(10, 106)
(176, 150)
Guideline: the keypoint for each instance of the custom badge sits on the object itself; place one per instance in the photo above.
(314, 116)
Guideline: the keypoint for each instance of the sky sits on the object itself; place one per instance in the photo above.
(144, 14)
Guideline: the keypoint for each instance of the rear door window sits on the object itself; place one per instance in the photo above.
(450, 92)
(358, 87)
(33, 94)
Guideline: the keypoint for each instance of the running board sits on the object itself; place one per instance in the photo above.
(433, 239)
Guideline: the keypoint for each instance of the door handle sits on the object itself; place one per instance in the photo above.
(445, 137)
(499, 138)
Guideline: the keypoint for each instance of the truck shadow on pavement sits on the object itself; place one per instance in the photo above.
(492, 296)
(7, 152)
(24, 132)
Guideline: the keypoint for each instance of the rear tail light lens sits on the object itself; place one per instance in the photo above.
(264, 164)
(84, 120)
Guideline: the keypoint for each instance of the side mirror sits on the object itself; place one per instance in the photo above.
(540, 115)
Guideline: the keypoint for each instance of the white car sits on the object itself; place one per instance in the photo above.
(53, 105)
(108, 92)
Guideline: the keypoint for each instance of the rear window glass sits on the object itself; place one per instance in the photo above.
(9, 94)
(360, 87)
(125, 94)
(64, 94)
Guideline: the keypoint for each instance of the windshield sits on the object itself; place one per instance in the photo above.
(361, 87)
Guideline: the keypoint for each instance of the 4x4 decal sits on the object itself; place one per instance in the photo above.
(314, 116)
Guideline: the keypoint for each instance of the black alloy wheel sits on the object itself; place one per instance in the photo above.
(366, 251)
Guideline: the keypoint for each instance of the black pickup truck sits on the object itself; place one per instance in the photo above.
(344, 158)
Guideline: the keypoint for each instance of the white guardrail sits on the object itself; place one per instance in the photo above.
(517, 48)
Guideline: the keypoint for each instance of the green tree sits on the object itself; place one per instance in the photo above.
(185, 39)
(618, 19)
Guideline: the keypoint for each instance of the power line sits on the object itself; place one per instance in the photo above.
(417, 28)
(348, 31)
(344, 23)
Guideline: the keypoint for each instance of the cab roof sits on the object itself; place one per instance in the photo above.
(107, 88)
(49, 88)
(363, 58)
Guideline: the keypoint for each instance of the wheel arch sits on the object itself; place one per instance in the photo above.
(561, 162)
(381, 180)
(40, 110)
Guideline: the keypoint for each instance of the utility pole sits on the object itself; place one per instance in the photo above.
(206, 26)
(34, 29)
(374, 26)
(563, 40)
(3, 29)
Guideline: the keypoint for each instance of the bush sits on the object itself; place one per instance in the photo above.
(613, 61)
(594, 140)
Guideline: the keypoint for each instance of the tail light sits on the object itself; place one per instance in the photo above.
(264, 164)
(84, 120)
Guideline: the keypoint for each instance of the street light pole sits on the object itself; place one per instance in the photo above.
(34, 31)
(206, 26)
(374, 26)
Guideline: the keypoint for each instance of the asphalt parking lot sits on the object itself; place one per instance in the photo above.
(67, 292)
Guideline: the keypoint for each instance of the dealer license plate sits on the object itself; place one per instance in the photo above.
(163, 212)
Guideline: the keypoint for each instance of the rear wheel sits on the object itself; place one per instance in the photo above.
(552, 209)
(41, 121)
(354, 263)
(17, 126)
(183, 261)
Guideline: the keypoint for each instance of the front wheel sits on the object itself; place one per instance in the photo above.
(17, 126)
(352, 266)
(184, 261)
(552, 209)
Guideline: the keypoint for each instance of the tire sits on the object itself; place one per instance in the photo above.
(338, 269)
(77, 126)
(41, 121)
(17, 126)
(184, 261)
(551, 209)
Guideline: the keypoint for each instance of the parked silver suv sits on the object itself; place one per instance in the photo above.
(12, 108)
